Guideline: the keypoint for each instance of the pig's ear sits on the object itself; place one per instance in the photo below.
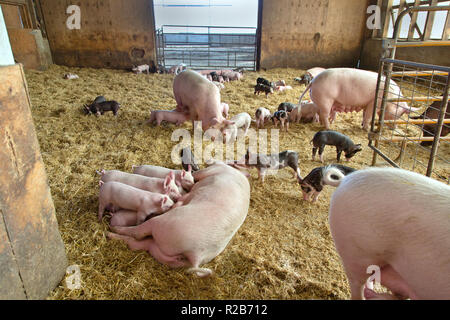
(166, 181)
(164, 200)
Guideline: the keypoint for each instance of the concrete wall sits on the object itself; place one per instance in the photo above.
(6, 56)
(304, 33)
(113, 34)
(432, 55)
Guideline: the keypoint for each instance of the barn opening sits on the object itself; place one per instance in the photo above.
(206, 34)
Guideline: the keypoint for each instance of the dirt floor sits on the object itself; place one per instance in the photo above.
(283, 250)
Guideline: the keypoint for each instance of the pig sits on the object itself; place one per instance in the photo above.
(182, 178)
(397, 220)
(305, 111)
(89, 109)
(263, 88)
(313, 183)
(155, 185)
(176, 70)
(194, 233)
(141, 69)
(347, 89)
(261, 116)
(105, 106)
(232, 75)
(286, 106)
(127, 197)
(158, 116)
(265, 82)
(70, 76)
(310, 75)
(199, 97)
(123, 218)
(264, 162)
(241, 122)
(219, 85)
(337, 139)
(188, 159)
(282, 88)
(432, 112)
(225, 109)
(281, 117)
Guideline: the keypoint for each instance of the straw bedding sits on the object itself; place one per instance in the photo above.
(284, 249)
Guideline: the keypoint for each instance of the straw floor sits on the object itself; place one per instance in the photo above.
(284, 249)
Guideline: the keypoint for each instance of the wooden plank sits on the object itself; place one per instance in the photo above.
(429, 43)
(11, 15)
(446, 33)
(429, 22)
(413, 24)
(386, 16)
(25, 200)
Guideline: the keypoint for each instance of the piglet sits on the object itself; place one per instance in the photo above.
(334, 138)
(314, 182)
(130, 198)
(240, 122)
(182, 178)
(286, 106)
(281, 117)
(225, 109)
(261, 116)
(102, 107)
(141, 69)
(307, 112)
(175, 117)
(263, 88)
(156, 185)
(188, 159)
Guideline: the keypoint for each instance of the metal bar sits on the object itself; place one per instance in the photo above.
(417, 139)
(446, 33)
(374, 113)
(437, 132)
(418, 73)
(417, 99)
(416, 121)
(215, 27)
(386, 158)
(428, 43)
(417, 65)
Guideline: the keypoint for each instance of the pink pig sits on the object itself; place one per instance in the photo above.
(175, 117)
(199, 97)
(200, 226)
(182, 178)
(404, 234)
(156, 185)
(127, 197)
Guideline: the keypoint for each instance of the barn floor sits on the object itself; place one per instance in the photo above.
(284, 249)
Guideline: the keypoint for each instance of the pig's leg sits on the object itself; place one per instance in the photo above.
(339, 152)
(316, 195)
(139, 232)
(124, 218)
(133, 244)
(314, 151)
(394, 282)
(321, 148)
(101, 210)
(367, 115)
(176, 261)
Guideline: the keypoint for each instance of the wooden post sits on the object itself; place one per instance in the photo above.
(413, 24)
(429, 22)
(32, 254)
(386, 17)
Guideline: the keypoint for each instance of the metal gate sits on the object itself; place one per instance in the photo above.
(414, 141)
(206, 47)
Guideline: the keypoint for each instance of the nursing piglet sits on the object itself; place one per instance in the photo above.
(127, 197)
(182, 178)
(398, 221)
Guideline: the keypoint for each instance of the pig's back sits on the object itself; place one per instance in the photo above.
(208, 222)
(347, 86)
(191, 86)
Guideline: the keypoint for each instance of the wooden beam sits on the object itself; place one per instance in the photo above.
(403, 6)
(386, 13)
(429, 43)
(413, 25)
(429, 22)
(446, 33)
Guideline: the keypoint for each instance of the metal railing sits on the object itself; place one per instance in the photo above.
(425, 85)
(206, 47)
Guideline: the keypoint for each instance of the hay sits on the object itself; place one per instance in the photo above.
(284, 249)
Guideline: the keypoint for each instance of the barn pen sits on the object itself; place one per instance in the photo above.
(284, 248)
